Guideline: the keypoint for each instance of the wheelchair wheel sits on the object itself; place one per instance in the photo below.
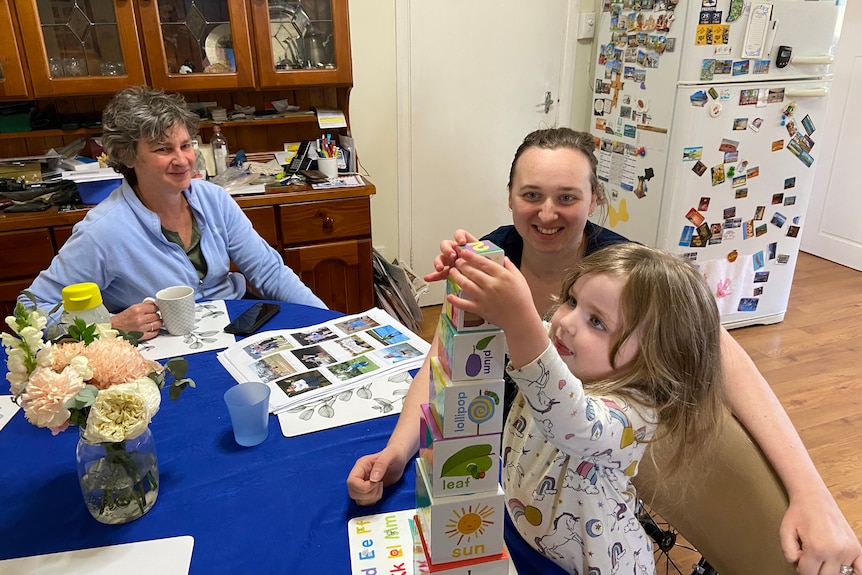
(673, 555)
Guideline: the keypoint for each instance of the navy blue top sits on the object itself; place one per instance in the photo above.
(508, 238)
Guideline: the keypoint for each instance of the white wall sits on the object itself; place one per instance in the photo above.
(373, 117)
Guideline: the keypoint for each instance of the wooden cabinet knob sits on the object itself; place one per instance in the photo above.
(328, 222)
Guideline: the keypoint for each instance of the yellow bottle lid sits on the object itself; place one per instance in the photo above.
(78, 297)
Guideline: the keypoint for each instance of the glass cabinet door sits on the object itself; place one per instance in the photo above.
(80, 46)
(302, 42)
(13, 83)
(197, 44)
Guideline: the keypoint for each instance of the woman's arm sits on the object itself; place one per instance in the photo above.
(814, 533)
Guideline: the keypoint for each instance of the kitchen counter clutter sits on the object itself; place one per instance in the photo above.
(323, 235)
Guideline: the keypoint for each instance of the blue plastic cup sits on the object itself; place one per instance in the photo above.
(248, 404)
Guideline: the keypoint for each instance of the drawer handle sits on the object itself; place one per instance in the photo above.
(328, 222)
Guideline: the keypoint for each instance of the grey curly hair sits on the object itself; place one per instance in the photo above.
(141, 113)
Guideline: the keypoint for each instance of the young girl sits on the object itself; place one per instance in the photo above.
(633, 355)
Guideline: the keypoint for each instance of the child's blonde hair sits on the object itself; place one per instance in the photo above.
(677, 370)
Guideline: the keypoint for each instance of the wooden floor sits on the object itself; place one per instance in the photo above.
(813, 360)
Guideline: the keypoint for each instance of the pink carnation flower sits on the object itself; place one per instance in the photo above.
(116, 361)
(46, 394)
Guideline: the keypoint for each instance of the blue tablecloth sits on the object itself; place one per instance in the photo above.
(279, 507)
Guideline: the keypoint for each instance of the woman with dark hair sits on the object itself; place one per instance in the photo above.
(161, 227)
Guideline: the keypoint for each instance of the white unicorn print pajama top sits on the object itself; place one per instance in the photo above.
(568, 462)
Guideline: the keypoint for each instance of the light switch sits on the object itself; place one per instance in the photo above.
(586, 26)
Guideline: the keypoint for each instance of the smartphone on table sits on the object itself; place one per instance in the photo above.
(252, 319)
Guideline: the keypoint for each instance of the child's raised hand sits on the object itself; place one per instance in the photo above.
(448, 254)
(499, 293)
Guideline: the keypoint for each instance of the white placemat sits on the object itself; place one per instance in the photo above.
(170, 556)
(210, 319)
(8, 408)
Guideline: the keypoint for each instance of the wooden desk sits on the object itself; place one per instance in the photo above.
(324, 235)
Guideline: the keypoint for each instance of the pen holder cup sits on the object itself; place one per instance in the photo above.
(328, 166)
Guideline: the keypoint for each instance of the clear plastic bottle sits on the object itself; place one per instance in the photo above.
(83, 301)
(220, 150)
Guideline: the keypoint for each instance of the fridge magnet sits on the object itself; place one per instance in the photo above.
(757, 260)
(629, 131)
(748, 304)
(730, 169)
(775, 96)
(792, 231)
(748, 96)
(599, 106)
(771, 249)
(806, 158)
(713, 93)
(729, 213)
(739, 124)
(761, 277)
(806, 142)
(731, 223)
(685, 237)
(789, 109)
(738, 181)
(758, 212)
(724, 95)
(735, 10)
(626, 112)
(755, 124)
(697, 242)
(791, 127)
(760, 230)
(729, 158)
(698, 98)
(715, 110)
(699, 168)
(742, 165)
(789, 200)
(703, 205)
(704, 232)
(723, 66)
(728, 145)
(620, 214)
(808, 124)
(740, 68)
(692, 154)
(670, 45)
(777, 145)
(695, 217)
(752, 172)
(757, 291)
(715, 231)
(794, 147)
(709, 3)
(777, 198)
(601, 123)
(762, 99)
(783, 258)
(731, 257)
(760, 67)
(748, 230)
(789, 183)
(778, 219)
(741, 193)
(717, 174)
(707, 70)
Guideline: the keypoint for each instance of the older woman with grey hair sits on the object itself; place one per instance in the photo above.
(161, 227)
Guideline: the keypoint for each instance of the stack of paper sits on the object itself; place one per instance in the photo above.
(303, 363)
(397, 289)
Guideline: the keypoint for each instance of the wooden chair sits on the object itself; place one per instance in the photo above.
(730, 510)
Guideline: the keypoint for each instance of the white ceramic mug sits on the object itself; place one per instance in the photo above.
(177, 308)
(328, 166)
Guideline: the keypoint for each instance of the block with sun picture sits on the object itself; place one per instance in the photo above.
(422, 564)
(460, 465)
(459, 527)
(467, 407)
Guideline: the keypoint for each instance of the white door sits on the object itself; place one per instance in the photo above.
(832, 229)
(472, 81)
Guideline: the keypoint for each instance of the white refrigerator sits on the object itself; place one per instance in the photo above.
(705, 115)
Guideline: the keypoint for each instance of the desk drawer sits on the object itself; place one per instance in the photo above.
(324, 221)
(25, 253)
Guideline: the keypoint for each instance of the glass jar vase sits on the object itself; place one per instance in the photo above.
(119, 480)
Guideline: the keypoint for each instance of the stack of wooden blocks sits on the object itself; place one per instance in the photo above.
(459, 501)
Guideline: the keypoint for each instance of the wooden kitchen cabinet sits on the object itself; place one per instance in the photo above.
(323, 235)
(13, 81)
(82, 47)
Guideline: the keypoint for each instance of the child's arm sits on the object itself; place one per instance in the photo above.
(500, 294)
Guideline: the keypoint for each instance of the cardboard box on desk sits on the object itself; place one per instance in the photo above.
(422, 565)
(471, 354)
(459, 527)
(471, 407)
(458, 466)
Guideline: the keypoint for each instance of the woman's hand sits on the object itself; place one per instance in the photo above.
(372, 473)
(143, 317)
(816, 537)
(448, 255)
